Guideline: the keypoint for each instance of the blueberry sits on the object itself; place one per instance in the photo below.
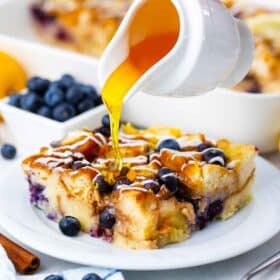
(106, 121)
(153, 186)
(91, 276)
(66, 81)
(162, 172)
(103, 130)
(90, 92)
(63, 112)
(62, 35)
(203, 146)
(30, 102)
(54, 277)
(201, 222)
(171, 144)
(85, 105)
(45, 111)
(57, 84)
(214, 156)
(54, 96)
(69, 226)
(172, 183)
(79, 164)
(121, 181)
(167, 177)
(99, 101)
(8, 151)
(214, 209)
(40, 15)
(38, 85)
(14, 99)
(74, 94)
(102, 185)
(107, 219)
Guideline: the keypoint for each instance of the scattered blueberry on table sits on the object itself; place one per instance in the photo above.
(59, 100)
(54, 277)
(91, 276)
(70, 226)
(8, 151)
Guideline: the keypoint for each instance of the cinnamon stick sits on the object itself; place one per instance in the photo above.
(24, 261)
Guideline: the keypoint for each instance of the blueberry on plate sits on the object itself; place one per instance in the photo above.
(103, 130)
(91, 276)
(66, 81)
(102, 185)
(171, 144)
(172, 183)
(214, 209)
(54, 277)
(214, 156)
(63, 112)
(8, 151)
(38, 85)
(45, 111)
(54, 96)
(106, 121)
(30, 102)
(107, 219)
(121, 181)
(79, 164)
(85, 105)
(69, 226)
(74, 94)
(163, 172)
(169, 178)
(203, 146)
(14, 99)
(153, 186)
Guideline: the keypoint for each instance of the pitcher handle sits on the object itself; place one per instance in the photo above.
(246, 55)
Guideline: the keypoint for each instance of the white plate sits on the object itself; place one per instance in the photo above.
(251, 227)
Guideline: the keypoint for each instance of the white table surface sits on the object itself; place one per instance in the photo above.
(232, 269)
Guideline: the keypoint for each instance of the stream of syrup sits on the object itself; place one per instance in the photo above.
(141, 57)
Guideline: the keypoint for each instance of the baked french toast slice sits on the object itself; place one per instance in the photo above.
(172, 183)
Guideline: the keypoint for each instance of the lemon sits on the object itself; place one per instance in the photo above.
(12, 75)
(266, 25)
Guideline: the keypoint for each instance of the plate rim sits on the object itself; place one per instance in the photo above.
(12, 228)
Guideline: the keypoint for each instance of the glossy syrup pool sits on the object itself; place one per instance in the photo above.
(157, 40)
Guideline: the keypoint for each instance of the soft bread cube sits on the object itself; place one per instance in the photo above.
(137, 213)
(175, 220)
(144, 221)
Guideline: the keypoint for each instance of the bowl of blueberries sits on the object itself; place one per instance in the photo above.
(48, 109)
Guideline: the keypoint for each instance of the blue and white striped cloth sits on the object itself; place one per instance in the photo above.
(7, 271)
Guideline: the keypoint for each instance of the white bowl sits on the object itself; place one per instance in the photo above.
(239, 116)
(30, 130)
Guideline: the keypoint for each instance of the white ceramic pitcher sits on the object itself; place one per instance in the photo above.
(213, 49)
